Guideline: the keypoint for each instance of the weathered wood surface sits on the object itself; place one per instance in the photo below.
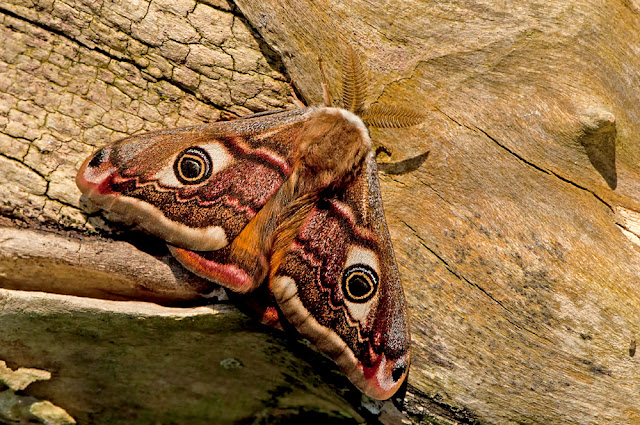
(115, 362)
(518, 237)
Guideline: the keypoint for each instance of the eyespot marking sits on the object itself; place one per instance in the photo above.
(98, 158)
(359, 283)
(398, 372)
(193, 166)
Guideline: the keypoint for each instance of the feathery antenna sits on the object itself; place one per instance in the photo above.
(388, 116)
(354, 93)
(354, 82)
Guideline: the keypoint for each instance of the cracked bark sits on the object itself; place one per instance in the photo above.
(514, 209)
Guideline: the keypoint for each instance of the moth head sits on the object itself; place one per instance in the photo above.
(332, 145)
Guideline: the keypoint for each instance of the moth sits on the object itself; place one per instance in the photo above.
(287, 202)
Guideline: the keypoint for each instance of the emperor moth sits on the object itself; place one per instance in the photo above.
(289, 199)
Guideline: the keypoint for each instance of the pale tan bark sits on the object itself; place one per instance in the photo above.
(517, 236)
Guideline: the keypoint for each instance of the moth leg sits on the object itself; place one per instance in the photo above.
(296, 100)
(261, 305)
(325, 87)
(379, 148)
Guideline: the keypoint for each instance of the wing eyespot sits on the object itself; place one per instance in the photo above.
(192, 166)
(98, 158)
(398, 372)
(359, 283)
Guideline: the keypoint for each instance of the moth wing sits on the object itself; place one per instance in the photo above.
(195, 187)
(336, 281)
(240, 266)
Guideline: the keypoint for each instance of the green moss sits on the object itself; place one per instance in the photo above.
(113, 368)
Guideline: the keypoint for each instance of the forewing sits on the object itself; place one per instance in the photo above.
(195, 187)
(338, 284)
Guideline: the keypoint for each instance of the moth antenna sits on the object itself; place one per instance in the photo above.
(387, 116)
(354, 82)
(296, 100)
(325, 87)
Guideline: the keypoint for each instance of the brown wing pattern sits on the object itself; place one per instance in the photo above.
(195, 187)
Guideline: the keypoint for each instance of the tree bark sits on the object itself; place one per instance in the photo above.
(514, 209)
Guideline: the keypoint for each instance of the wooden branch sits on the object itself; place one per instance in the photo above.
(39, 261)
